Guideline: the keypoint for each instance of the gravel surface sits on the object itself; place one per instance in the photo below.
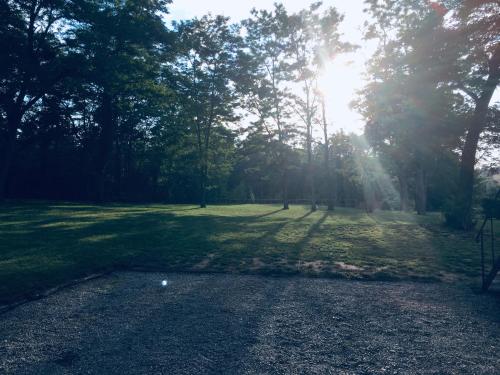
(126, 323)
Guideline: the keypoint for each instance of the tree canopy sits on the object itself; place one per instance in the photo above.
(106, 101)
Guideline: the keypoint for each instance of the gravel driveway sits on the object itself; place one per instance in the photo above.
(126, 323)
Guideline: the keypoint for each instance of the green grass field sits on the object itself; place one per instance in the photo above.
(44, 245)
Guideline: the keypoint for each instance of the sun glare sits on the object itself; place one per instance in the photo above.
(339, 82)
(341, 77)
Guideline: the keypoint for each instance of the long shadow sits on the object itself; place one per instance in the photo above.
(190, 329)
(289, 253)
(299, 246)
(303, 216)
(269, 213)
(44, 257)
(273, 229)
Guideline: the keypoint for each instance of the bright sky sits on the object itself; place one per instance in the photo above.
(341, 79)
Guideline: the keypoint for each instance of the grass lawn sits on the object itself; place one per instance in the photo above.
(43, 245)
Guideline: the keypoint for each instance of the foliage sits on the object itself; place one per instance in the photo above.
(208, 52)
(103, 101)
(434, 74)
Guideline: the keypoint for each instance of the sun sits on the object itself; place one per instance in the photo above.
(338, 82)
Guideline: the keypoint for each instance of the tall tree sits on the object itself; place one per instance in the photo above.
(477, 67)
(460, 46)
(208, 68)
(268, 97)
(330, 184)
(32, 62)
(409, 122)
(315, 38)
(121, 44)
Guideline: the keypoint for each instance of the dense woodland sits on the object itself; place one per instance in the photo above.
(104, 100)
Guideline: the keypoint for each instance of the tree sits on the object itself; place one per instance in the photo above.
(33, 61)
(462, 52)
(268, 94)
(478, 74)
(121, 44)
(314, 40)
(409, 123)
(207, 70)
(330, 183)
(348, 182)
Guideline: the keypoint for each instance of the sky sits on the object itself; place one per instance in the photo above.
(341, 78)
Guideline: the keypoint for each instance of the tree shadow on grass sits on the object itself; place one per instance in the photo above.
(297, 249)
(314, 228)
(269, 213)
(275, 255)
(45, 256)
(64, 247)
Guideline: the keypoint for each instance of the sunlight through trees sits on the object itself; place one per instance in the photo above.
(108, 101)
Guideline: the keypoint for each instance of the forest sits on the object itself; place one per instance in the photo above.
(108, 101)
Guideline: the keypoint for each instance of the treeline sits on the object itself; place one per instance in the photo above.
(105, 101)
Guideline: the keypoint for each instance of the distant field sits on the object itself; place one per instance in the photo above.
(43, 245)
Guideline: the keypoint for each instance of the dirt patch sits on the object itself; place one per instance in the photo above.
(317, 266)
(348, 267)
(257, 264)
(204, 263)
(448, 277)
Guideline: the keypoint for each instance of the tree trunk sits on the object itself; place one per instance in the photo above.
(285, 188)
(119, 177)
(340, 195)
(251, 194)
(403, 192)
(203, 174)
(108, 129)
(330, 186)
(5, 163)
(369, 197)
(203, 187)
(310, 171)
(421, 191)
(13, 122)
(477, 124)
(331, 190)
(202, 163)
